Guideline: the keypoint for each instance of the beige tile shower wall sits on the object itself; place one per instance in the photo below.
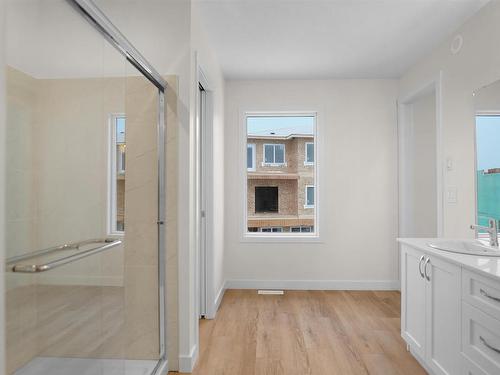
(141, 202)
(71, 132)
(141, 249)
(71, 148)
(21, 205)
(20, 216)
(57, 153)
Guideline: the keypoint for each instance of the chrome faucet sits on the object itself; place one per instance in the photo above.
(491, 229)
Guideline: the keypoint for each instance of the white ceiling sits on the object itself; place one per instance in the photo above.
(308, 39)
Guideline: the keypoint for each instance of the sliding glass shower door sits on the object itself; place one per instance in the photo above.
(84, 272)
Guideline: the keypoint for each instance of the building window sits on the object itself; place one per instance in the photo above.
(309, 201)
(307, 229)
(266, 199)
(309, 153)
(271, 230)
(274, 154)
(116, 175)
(251, 157)
(487, 168)
(277, 148)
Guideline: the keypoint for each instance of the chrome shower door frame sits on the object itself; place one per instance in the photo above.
(89, 10)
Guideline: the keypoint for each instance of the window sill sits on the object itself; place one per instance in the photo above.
(308, 164)
(281, 238)
(307, 206)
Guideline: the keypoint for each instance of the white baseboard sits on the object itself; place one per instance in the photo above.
(314, 284)
(219, 297)
(187, 362)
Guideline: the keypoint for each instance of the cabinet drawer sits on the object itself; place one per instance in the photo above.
(481, 338)
(470, 368)
(482, 292)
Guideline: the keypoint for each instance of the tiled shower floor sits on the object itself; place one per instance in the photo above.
(84, 366)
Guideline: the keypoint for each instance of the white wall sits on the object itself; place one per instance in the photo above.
(357, 187)
(476, 65)
(424, 167)
(202, 56)
(2, 189)
(207, 61)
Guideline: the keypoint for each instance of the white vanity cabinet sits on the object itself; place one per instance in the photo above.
(430, 310)
(450, 309)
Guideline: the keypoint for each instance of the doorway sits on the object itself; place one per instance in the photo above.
(420, 163)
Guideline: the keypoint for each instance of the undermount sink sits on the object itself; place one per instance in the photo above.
(473, 247)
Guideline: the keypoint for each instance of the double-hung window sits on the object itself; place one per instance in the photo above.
(309, 197)
(309, 153)
(274, 154)
(251, 157)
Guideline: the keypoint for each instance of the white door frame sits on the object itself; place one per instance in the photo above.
(405, 134)
(204, 199)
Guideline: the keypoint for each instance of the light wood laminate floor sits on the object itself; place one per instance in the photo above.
(305, 332)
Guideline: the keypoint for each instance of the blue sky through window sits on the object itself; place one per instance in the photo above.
(120, 130)
(488, 142)
(280, 125)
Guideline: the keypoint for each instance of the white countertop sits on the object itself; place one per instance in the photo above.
(488, 266)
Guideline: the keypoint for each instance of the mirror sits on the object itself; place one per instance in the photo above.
(487, 163)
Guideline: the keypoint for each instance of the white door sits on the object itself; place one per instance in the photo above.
(413, 300)
(443, 316)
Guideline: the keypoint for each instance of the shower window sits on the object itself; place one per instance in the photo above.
(117, 174)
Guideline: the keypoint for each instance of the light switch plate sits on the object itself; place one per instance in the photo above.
(451, 194)
(449, 164)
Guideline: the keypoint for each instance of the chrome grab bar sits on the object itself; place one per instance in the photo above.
(109, 243)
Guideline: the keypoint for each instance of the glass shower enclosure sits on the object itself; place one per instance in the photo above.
(85, 277)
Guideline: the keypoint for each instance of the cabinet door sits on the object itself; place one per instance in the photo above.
(412, 300)
(443, 317)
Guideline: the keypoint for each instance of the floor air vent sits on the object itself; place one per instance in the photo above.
(276, 292)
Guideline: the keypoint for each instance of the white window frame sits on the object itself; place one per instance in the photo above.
(305, 196)
(274, 164)
(284, 237)
(112, 172)
(305, 153)
(253, 146)
(480, 235)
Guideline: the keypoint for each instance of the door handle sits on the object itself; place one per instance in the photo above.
(427, 262)
(420, 266)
